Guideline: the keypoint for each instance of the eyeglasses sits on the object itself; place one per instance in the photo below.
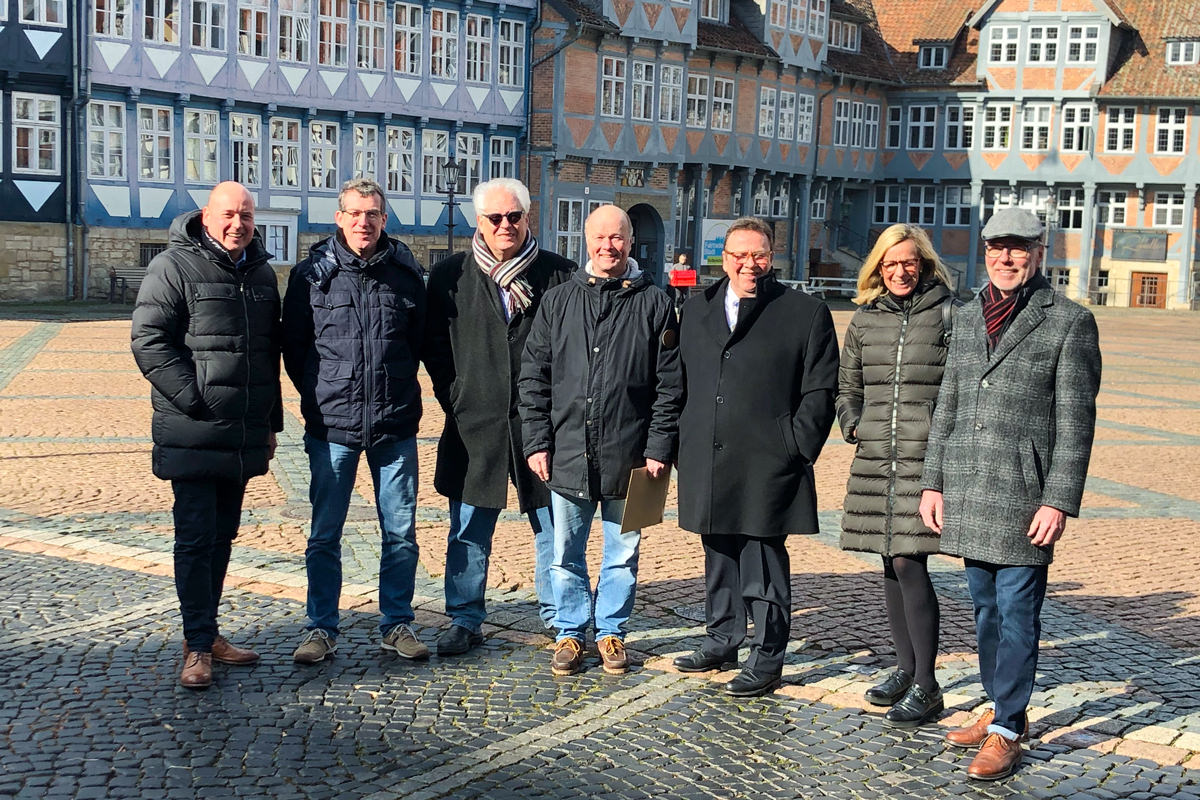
(1014, 250)
(756, 257)
(372, 215)
(513, 218)
(908, 264)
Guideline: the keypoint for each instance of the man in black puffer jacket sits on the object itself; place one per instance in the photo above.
(353, 322)
(206, 336)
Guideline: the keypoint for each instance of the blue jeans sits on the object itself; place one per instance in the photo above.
(206, 513)
(333, 468)
(1008, 608)
(468, 547)
(569, 576)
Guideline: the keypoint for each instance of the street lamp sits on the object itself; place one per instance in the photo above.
(450, 170)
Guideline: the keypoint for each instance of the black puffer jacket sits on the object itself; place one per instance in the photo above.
(891, 369)
(352, 342)
(601, 386)
(206, 336)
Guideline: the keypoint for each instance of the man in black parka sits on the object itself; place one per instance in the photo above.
(353, 323)
(206, 336)
(761, 367)
(481, 305)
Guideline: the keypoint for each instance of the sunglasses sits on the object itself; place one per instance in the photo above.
(513, 218)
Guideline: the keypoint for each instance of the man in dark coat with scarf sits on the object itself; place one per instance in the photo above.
(761, 367)
(481, 305)
(1006, 464)
(206, 336)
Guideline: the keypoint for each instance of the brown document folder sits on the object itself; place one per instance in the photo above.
(646, 500)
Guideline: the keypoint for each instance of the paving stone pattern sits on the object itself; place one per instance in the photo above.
(90, 706)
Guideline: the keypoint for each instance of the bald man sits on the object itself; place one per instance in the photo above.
(206, 336)
(600, 391)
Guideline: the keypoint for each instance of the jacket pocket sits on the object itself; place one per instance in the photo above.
(334, 388)
(1031, 469)
(787, 435)
(402, 389)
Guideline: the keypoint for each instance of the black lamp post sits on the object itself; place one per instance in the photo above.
(450, 171)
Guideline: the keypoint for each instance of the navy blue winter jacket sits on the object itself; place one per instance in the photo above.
(352, 333)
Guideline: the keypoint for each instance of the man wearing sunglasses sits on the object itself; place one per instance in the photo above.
(481, 305)
(353, 321)
(1005, 466)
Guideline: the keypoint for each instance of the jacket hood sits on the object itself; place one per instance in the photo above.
(185, 232)
(323, 258)
(635, 281)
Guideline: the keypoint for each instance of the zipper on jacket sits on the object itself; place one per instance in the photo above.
(368, 388)
(241, 278)
(892, 454)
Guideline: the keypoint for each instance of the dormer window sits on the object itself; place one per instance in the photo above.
(933, 56)
(843, 35)
(1184, 52)
(712, 10)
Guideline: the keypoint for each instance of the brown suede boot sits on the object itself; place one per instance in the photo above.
(972, 735)
(996, 759)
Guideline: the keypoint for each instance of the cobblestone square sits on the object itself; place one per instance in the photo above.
(90, 705)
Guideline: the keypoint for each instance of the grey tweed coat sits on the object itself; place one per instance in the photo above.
(1013, 431)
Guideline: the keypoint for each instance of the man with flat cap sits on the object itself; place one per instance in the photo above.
(1005, 466)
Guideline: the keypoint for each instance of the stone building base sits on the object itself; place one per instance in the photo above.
(33, 261)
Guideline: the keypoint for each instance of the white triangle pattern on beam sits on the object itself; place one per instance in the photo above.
(431, 211)
(115, 199)
(112, 53)
(333, 80)
(151, 202)
(407, 87)
(370, 83)
(405, 211)
(443, 91)
(321, 210)
(253, 70)
(37, 192)
(42, 41)
(511, 98)
(478, 95)
(161, 59)
(294, 76)
(208, 65)
(199, 196)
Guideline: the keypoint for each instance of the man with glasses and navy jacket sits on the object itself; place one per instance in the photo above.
(481, 305)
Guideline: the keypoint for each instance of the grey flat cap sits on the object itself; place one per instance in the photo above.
(1015, 222)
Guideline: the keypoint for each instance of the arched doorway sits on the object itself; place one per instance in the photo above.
(648, 240)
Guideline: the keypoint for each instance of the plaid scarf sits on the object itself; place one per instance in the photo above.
(998, 311)
(509, 275)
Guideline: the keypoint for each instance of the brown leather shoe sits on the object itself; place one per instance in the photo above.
(225, 652)
(996, 759)
(197, 671)
(972, 735)
(568, 657)
(613, 659)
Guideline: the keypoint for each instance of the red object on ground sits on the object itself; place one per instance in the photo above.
(682, 277)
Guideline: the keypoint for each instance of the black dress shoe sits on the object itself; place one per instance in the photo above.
(917, 707)
(891, 690)
(457, 640)
(701, 661)
(749, 683)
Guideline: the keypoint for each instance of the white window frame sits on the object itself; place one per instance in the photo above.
(1043, 44)
(284, 135)
(895, 128)
(278, 232)
(1111, 207)
(1083, 44)
(44, 12)
(400, 164)
(370, 33)
(511, 53)
(960, 127)
(697, 101)
(722, 104)
(435, 151)
(254, 28)
(41, 134)
(1036, 121)
(787, 115)
(1168, 209)
(568, 229)
(443, 44)
(933, 56)
(1078, 121)
(766, 112)
(106, 139)
(780, 199)
(161, 21)
(110, 18)
(760, 199)
(670, 93)
(922, 204)
(712, 10)
(210, 21)
(997, 126)
(885, 210)
(779, 11)
(468, 151)
(957, 206)
(1170, 132)
(818, 18)
(479, 48)
(798, 16)
(1004, 44)
(1120, 129)
(841, 122)
(857, 114)
(843, 35)
(819, 202)
(641, 107)
(365, 148)
(805, 110)
(407, 52)
(612, 86)
(1181, 53)
(502, 157)
(155, 144)
(324, 139)
(333, 33)
(295, 31)
(245, 149)
(1070, 209)
(871, 128)
(922, 126)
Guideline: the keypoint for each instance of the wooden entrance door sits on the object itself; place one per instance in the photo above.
(1148, 290)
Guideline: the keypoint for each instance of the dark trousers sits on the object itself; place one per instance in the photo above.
(748, 574)
(207, 513)
(1008, 609)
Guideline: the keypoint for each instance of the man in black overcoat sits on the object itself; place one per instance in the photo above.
(761, 364)
(481, 305)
